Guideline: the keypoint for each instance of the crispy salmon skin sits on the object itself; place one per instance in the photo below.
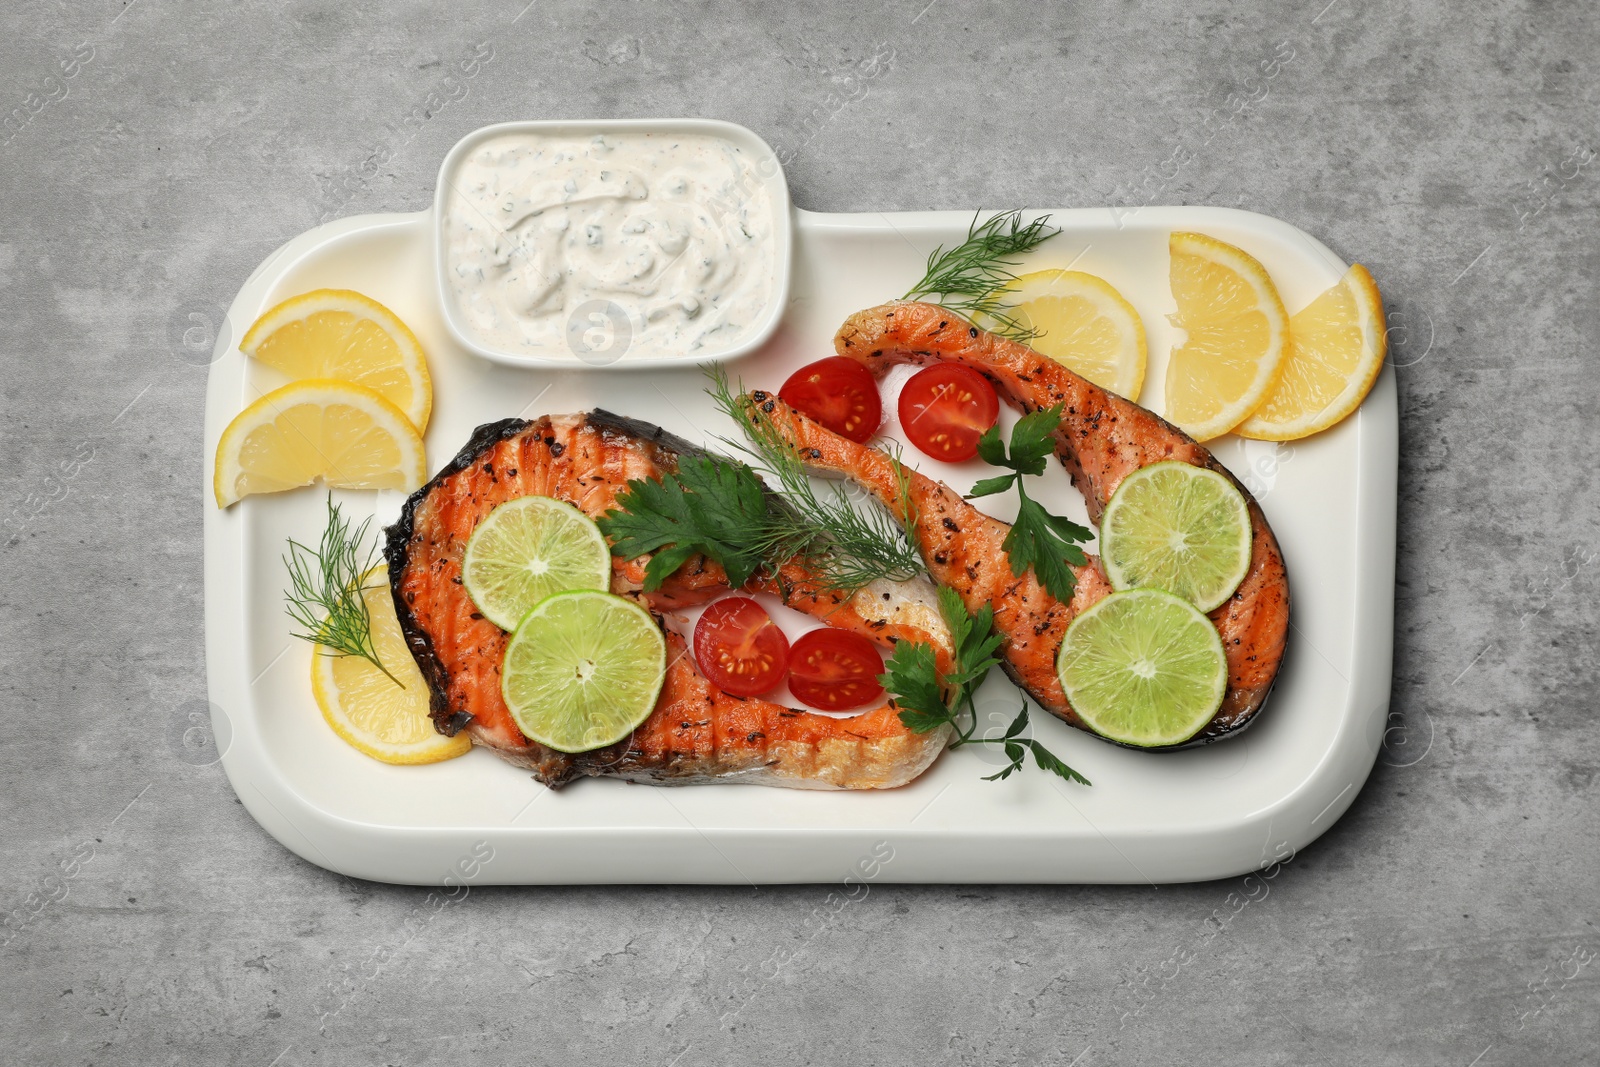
(697, 733)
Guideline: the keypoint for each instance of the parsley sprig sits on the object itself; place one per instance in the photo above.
(970, 277)
(711, 506)
(1038, 539)
(912, 675)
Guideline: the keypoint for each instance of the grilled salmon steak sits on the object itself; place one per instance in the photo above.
(1102, 438)
(697, 733)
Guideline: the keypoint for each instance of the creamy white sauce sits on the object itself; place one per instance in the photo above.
(637, 243)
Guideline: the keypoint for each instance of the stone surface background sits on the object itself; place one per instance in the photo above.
(1448, 919)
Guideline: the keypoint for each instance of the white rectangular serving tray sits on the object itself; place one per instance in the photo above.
(1212, 812)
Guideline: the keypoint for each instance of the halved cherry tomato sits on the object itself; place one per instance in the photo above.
(945, 408)
(835, 670)
(740, 648)
(839, 393)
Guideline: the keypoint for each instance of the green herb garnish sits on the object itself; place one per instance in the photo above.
(720, 508)
(969, 276)
(912, 675)
(846, 546)
(711, 506)
(1037, 539)
(325, 590)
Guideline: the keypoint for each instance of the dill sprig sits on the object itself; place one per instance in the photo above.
(325, 591)
(969, 276)
(847, 547)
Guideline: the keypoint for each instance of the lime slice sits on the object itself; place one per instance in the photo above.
(1143, 668)
(1177, 527)
(583, 669)
(526, 550)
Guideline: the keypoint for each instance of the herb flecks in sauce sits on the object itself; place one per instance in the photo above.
(649, 243)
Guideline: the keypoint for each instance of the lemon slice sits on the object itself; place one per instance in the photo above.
(1084, 324)
(1177, 527)
(365, 707)
(345, 434)
(340, 334)
(1143, 668)
(526, 550)
(1236, 328)
(1336, 349)
(583, 670)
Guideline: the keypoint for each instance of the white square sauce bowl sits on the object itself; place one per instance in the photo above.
(609, 245)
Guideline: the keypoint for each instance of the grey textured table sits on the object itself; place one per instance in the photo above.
(157, 151)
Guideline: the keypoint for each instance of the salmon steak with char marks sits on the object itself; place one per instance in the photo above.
(1101, 439)
(697, 733)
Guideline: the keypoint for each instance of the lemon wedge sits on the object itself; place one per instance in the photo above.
(1084, 324)
(1237, 330)
(345, 434)
(365, 707)
(341, 334)
(1336, 349)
